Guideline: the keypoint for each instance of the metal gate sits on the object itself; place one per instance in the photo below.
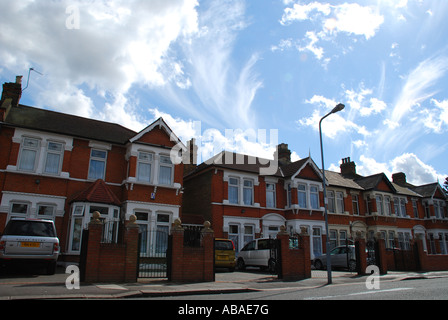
(372, 252)
(154, 254)
(275, 261)
(406, 259)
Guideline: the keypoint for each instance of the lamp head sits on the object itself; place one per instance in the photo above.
(338, 108)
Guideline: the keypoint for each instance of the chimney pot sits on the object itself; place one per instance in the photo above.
(348, 167)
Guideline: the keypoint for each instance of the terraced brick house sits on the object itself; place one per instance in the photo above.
(63, 167)
(244, 204)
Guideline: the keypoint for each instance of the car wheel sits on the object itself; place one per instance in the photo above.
(352, 265)
(240, 264)
(318, 265)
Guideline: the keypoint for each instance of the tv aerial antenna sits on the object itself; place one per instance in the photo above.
(29, 74)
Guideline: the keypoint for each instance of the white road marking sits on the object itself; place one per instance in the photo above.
(358, 293)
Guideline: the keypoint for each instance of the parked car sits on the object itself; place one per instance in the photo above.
(341, 257)
(225, 254)
(258, 253)
(30, 240)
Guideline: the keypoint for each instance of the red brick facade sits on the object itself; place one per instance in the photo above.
(50, 161)
(374, 206)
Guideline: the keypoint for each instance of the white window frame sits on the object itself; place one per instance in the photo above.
(272, 193)
(379, 204)
(355, 204)
(250, 188)
(59, 153)
(47, 216)
(97, 159)
(304, 193)
(80, 216)
(166, 164)
(31, 148)
(234, 184)
(13, 214)
(149, 161)
(314, 194)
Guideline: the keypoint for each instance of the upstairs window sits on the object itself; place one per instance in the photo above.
(301, 193)
(248, 192)
(270, 195)
(97, 169)
(28, 154)
(144, 166)
(355, 205)
(314, 197)
(54, 158)
(233, 190)
(166, 171)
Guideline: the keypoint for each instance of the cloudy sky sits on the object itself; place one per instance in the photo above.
(214, 67)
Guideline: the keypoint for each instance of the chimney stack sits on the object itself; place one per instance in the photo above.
(399, 178)
(191, 157)
(283, 154)
(348, 168)
(12, 92)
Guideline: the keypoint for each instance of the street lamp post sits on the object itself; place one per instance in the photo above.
(338, 108)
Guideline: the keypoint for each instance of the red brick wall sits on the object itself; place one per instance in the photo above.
(111, 262)
(295, 263)
(192, 264)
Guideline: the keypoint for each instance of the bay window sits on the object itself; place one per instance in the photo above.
(144, 166)
(314, 197)
(301, 194)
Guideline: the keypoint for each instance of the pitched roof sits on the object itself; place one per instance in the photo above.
(56, 122)
(337, 179)
(239, 162)
(371, 182)
(428, 190)
(98, 192)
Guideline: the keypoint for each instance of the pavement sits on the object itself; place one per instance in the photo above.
(22, 286)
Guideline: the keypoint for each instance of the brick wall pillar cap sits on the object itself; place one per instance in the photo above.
(132, 222)
(283, 231)
(304, 231)
(207, 227)
(96, 218)
(177, 224)
(359, 235)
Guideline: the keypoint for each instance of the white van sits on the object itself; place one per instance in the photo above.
(258, 253)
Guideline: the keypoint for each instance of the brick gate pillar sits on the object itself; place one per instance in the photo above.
(361, 255)
(382, 263)
(131, 240)
(92, 268)
(208, 243)
(177, 253)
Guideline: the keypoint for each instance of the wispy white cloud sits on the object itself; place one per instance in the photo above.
(221, 84)
(351, 19)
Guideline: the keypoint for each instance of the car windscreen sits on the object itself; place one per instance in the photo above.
(29, 228)
(223, 245)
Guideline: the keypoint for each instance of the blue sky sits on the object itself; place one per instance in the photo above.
(207, 66)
